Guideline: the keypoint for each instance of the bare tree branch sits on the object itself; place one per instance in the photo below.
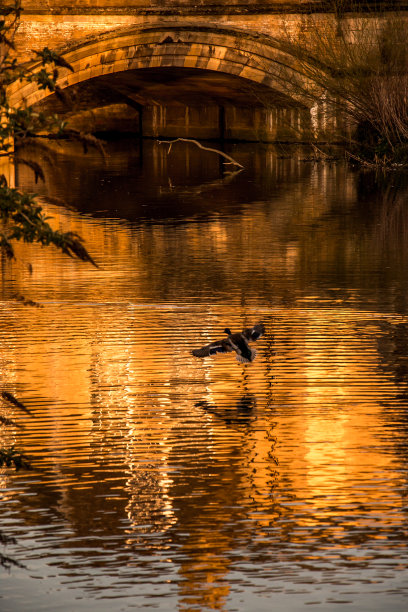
(230, 159)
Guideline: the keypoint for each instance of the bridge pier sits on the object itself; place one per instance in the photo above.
(216, 122)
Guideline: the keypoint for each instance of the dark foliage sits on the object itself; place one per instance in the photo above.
(21, 217)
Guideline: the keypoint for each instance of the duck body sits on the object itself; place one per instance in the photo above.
(237, 342)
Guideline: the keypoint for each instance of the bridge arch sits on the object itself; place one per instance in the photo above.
(254, 59)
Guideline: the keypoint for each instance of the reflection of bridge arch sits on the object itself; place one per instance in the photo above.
(241, 69)
(230, 51)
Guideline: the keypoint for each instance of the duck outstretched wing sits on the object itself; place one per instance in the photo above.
(219, 346)
(255, 332)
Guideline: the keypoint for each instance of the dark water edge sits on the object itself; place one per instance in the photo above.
(166, 482)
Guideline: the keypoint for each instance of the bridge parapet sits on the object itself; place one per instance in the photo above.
(55, 22)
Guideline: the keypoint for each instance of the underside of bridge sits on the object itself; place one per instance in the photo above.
(180, 102)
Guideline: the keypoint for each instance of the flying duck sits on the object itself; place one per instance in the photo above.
(234, 342)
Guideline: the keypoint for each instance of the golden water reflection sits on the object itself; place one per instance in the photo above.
(208, 476)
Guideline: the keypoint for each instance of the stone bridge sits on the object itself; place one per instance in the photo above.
(167, 68)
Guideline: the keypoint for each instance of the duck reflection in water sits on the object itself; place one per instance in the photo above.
(238, 342)
(239, 414)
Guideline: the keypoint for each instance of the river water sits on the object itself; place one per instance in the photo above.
(166, 482)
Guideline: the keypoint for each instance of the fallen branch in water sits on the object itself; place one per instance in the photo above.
(230, 159)
(228, 177)
(378, 163)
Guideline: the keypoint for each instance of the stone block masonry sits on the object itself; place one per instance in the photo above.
(190, 69)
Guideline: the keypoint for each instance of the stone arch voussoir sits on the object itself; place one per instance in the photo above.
(250, 56)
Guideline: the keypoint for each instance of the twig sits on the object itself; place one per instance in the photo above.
(200, 146)
(365, 163)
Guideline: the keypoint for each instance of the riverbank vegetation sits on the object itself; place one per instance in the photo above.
(355, 66)
(21, 216)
